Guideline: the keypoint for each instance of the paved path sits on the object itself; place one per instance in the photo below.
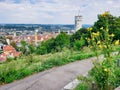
(53, 79)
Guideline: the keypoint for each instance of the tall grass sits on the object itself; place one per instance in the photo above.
(27, 65)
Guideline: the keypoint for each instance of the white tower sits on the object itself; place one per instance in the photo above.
(36, 36)
(78, 22)
(14, 34)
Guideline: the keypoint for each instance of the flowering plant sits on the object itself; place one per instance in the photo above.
(103, 71)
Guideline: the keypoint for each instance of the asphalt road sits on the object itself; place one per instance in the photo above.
(53, 79)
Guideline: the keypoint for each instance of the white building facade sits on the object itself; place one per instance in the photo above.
(78, 22)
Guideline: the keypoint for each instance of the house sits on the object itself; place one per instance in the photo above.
(10, 51)
(3, 58)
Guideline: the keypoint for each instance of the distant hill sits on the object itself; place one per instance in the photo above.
(86, 25)
(42, 27)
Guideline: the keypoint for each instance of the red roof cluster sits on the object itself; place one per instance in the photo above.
(31, 38)
(9, 48)
(9, 51)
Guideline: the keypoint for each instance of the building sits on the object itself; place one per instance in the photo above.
(10, 51)
(78, 22)
(3, 58)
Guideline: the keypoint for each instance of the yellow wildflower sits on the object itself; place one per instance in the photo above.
(105, 14)
(107, 30)
(89, 29)
(101, 28)
(98, 33)
(100, 46)
(112, 35)
(105, 46)
(117, 42)
(93, 38)
(98, 42)
(93, 34)
(105, 70)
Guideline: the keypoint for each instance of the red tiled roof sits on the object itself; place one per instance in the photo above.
(8, 48)
(17, 54)
(2, 57)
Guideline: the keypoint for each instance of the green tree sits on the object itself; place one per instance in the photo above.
(62, 40)
(77, 36)
(31, 48)
(13, 43)
(114, 24)
(79, 44)
(41, 50)
(23, 48)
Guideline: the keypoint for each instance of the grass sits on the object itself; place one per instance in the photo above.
(82, 86)
(85, 85)
(16, 69)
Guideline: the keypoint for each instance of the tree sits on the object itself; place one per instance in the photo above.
(31, 48)
(13, 43)
(62, 40)
(77, 36)
(79, 44)
(41, 50)
(113, 22)
(24, 47)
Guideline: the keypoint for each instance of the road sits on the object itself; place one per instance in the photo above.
(53, 79)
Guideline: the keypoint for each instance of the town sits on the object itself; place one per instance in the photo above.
(59, 45)
(31, 34)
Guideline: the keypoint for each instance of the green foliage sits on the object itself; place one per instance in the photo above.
(27, 65)
(103, 71)
(23, 48)
(114, 24)
(77, 36)
(79, 44)
(54, 45)
(14, 45)
(31, 48)
(82, 86)
(41, 50)
(62, 40)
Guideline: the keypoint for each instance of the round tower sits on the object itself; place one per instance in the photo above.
(78, 22)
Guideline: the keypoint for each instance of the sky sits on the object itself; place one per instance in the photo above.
(55, 11)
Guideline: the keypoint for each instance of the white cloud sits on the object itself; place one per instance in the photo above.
(54, 11)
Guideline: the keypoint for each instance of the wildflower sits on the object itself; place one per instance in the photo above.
(98, 42)
(117, 42)
(93, 34)
(107, 30)
(112, 35)
(101, 28)
(89, 29)
(98, 33)
(93, 38)
(105, 14)
(91, 47)
(107, 70)
(105, 46)
(100, 46)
